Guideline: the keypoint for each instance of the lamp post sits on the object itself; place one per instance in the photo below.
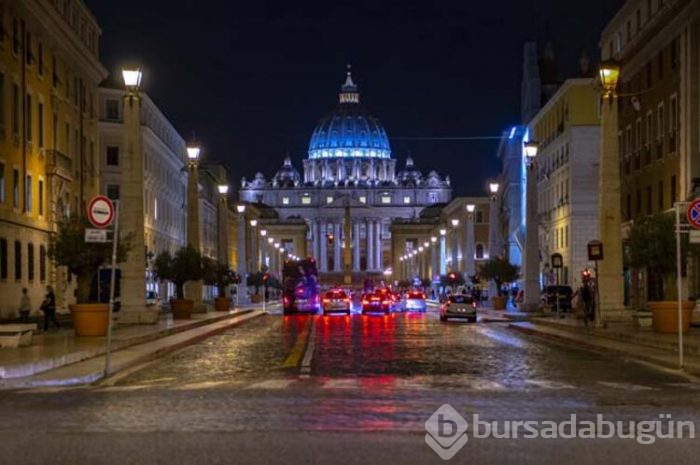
(443, 251)
(454, 244)
(241, 250)
(193, 289)
(532, 249)
(609, 282)
(421, 261)
(223, 224)
(494, 188)
(469, 266)
(434, 258)
(131, 208)
(263, 249)
(254, 246)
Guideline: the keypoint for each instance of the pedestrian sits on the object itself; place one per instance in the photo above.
(25, 306)
(48, 306)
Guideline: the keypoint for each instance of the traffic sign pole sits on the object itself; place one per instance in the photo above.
(112, 285)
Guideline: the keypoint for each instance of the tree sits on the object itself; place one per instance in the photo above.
(83, 259)
(500, 271)
(256, 280)
(185, 266)
(217, 274)
(652, 245)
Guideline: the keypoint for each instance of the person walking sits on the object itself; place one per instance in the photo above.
(25, 306)
(48, 306)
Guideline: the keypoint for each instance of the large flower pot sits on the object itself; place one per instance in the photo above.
(222, 304)
(182, 308)
(90, 319)
(665, 316)
(498, 302)
(256, 298)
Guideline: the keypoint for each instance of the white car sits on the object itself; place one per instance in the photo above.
(415, 302)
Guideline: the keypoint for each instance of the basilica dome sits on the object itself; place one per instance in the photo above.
(349, 131)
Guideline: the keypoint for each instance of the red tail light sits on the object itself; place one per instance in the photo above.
(286, 301)
(326, 301)
(347, 300)
(365, 302)
(386, 302)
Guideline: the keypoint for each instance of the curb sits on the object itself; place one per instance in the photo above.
(98, 374)
(659, 362)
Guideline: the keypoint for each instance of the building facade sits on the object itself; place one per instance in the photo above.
(349, 166)
(164, 181)
(49, 76)
(656, 45)
(568, 131)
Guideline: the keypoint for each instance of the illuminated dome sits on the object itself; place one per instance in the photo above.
(349, 131)
(287, 175)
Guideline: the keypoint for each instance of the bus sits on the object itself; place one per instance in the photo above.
(301, 288)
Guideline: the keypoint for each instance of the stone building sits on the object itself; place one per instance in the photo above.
(49, 76)
(349, 165)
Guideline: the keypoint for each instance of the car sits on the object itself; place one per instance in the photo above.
(549, 297)
(415, 301)
(459, 306)
(336, 300)
(377, 302)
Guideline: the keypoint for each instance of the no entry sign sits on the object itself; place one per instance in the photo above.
(693, 214)
(100, 211)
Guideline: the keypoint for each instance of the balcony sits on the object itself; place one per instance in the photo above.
(59, 164)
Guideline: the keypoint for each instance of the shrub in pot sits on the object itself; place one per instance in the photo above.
(219, 275)
(183, 267)
(500, 271)
(256, 280)
(83, 260)
(652, 246)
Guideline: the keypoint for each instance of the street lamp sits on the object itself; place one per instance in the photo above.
(254, 244)
(193, 152)
(532, 254)
(468, 255)
(240, 209)
(223, 189)
(470, 208)
(493, 188)
(609, 76)
(454, 246)
(132, 78)
(263, 249)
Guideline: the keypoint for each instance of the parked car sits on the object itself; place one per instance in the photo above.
(459, 306)
(336, 300)
(549, 297)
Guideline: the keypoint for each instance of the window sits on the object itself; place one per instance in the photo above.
(112, 107)
(285, 200)
(15, 36)
(638, 209)
(113, 191)
(30, 262)
(28, 46)
(29, 118)
(673, 115)
(329, 199)
(28, 203)
(40, 116)
(15, 110)
(15, 188)
(674, 54)
(638, 135)
(566, 236)
(112, 156)
(629, 207)
(432, 197)
(661, 196)
(386, 199)
(3, 259)
(18, 260)
(407, 200)
(2, 183)
(40, 59)
(479, 216)
(2, 103)
(648, 129)
(363, 199)
(42, 263)
(41, 197)
(306, 200)
(479, 252)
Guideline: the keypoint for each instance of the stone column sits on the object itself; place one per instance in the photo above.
(315, 239)
(356, 247)
(323, 257)
(253, 249)
(610, 282)
(531, 258)
(454, 246)
(263, 252)
(494, 242)
(241, 254)
(443, 252)
(378, 261)
(131, 219)
(370, 246)
(469, 265)
(435, 259)
(337, 257)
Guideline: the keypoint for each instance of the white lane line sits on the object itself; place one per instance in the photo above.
(545, 384)
(272, 384)
(137, 387)
(342, 383)
(483, 385)
(203, 385)
(626, 386)
(309, 354)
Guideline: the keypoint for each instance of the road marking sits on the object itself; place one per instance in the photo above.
(202, 385)
(483, 385)
(342, 383)
(272, 384)
(627, 387)
(298, 349)
(309, 355)
(122, 388)
(544, 384)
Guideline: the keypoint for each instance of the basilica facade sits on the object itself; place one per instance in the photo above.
(349, 175)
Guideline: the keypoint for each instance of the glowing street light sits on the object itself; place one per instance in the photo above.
(132, 78)
(223, 189)
(609, 76)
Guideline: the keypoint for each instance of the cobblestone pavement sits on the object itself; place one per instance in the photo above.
(357, 389)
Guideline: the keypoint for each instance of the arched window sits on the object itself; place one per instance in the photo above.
(479, 251)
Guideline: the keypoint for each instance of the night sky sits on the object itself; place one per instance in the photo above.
(253, 78)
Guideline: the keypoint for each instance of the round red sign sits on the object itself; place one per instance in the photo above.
(100, 211)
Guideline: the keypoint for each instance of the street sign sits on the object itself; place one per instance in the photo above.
(557, 260)
(693, 214)
(95, 235)
(694, 235)
(100, 211)
(595, 251)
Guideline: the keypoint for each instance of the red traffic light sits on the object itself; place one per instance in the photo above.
(266, 277)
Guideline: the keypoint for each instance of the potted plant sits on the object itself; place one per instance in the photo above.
(219, 275)
(256, 280)
(83, 260)
(500, 271)
(185, 266)
(652, 246)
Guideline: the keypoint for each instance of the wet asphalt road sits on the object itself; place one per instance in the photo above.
(357, 389)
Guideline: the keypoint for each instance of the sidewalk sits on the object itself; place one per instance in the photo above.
(624, 339)
(60, 358)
